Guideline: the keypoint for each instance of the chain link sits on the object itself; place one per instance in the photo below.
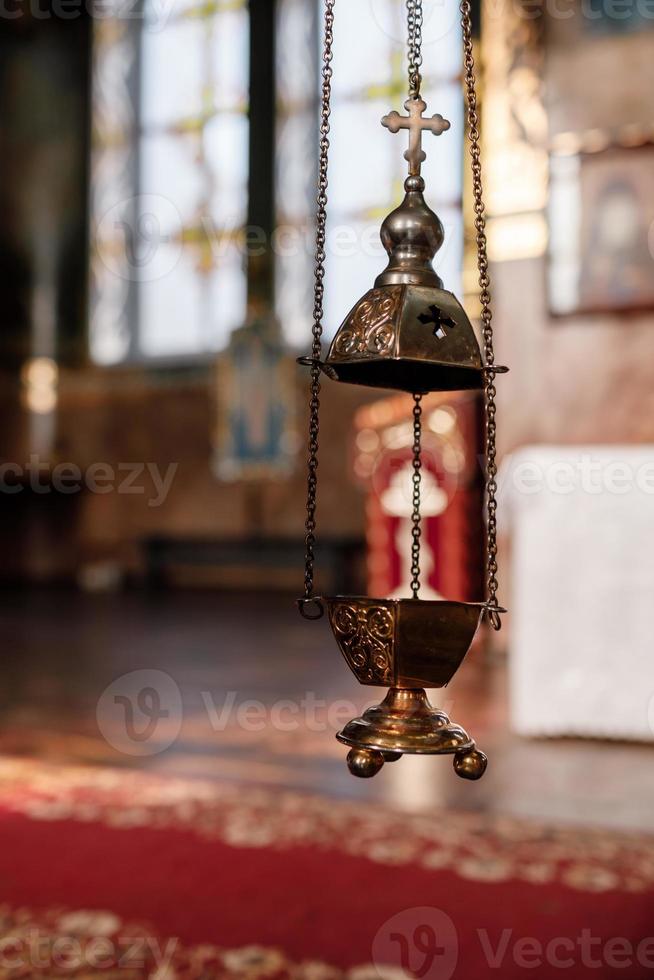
(309, 601)
(414, 22)
(415, 514)
(414, 34)
(486, 317)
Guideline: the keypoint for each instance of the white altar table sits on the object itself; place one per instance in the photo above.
(581, 526)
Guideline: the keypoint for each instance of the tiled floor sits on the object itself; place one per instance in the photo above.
(261, 693)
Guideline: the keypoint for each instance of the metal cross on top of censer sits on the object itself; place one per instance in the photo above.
(395, 337)
(417, 125)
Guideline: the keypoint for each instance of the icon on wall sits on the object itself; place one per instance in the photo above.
(255, 435)
(601, 217)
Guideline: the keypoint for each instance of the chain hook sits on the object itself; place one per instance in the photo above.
(311, 607)
(493, 614)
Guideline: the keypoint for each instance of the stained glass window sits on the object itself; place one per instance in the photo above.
(113, 187)
(367, 167)
(170, 207)
(170, 165)
(295, 164)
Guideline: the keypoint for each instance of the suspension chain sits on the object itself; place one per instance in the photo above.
(415, 500)
(486, 318)
(310, 607)
(414, 23)
(414, 52)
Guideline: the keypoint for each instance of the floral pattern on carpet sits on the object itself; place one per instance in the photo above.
(81, 943)
(477, 847)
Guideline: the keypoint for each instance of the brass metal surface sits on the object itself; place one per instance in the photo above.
(408, 332)
(411, 338)
(471, 764)
(405, 642)
(364, 763)
(411, 235)
(365, 632)
(406, 723)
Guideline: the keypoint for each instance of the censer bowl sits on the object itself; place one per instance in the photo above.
(403, 642)
(406, 645)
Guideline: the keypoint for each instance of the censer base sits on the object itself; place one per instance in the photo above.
(406, 723)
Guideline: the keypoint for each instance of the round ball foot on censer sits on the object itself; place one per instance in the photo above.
(392, 756)
(470, 764)
(364, 762)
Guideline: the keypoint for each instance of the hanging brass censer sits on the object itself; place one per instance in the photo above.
(411, 334)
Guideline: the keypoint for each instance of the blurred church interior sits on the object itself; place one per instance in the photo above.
(158, 204)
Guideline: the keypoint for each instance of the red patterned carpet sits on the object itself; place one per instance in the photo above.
(112, 874)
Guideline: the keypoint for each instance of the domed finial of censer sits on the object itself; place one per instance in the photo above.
(411, 234)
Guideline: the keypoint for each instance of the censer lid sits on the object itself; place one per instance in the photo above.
(408, 332)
